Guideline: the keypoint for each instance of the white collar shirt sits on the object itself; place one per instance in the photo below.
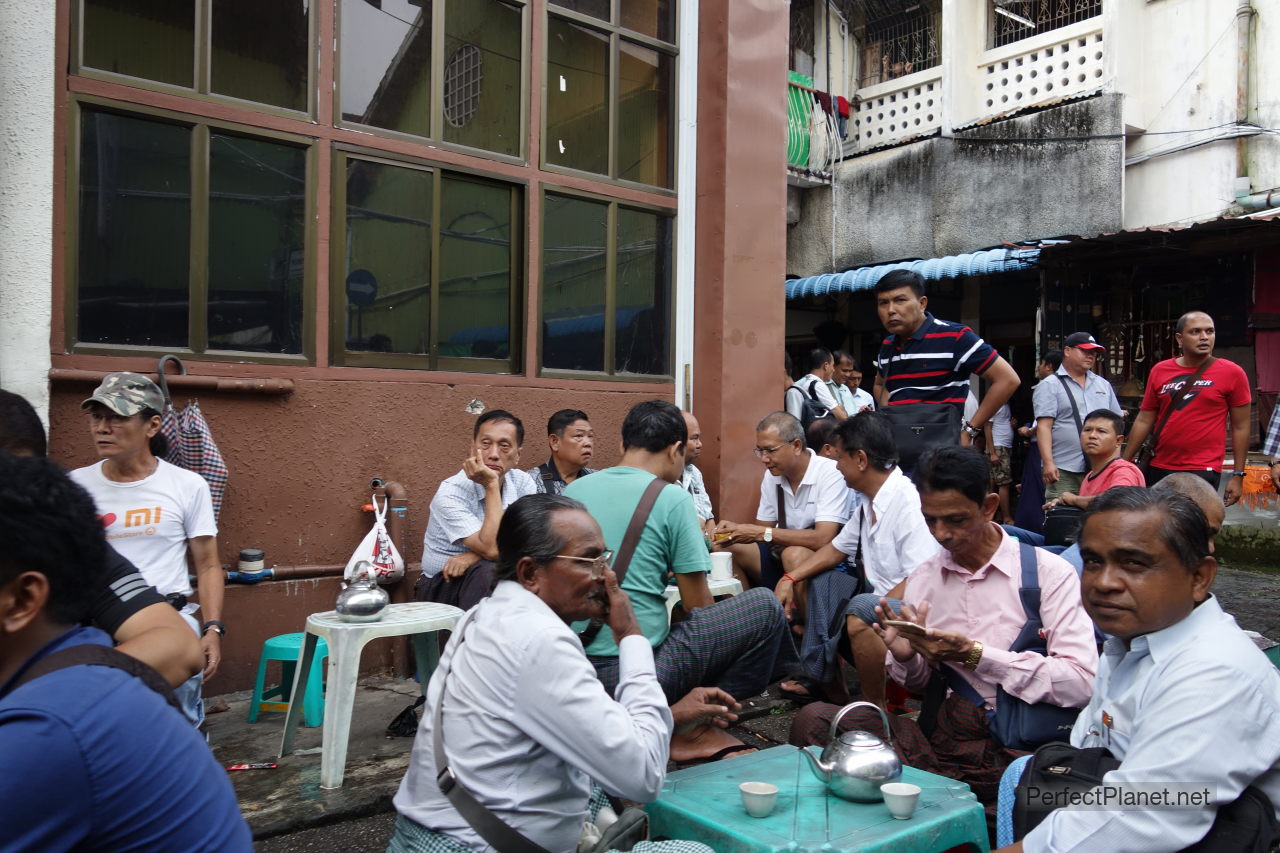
(894, 536)
(457, 511)
(821, 496)
(1194, 706)
(528, 725)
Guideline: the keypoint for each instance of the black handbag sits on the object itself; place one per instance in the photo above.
(917, 427)
(1058, 770)
(1062, 525)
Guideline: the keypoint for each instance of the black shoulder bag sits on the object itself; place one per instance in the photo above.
(1147, 450)
(628, 547)
(1058, 770)
(917, 427)
(1016, 724)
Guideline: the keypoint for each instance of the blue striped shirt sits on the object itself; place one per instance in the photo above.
(933, 365)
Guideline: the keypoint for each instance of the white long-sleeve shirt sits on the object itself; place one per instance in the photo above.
(1194, 706)
(528, 725)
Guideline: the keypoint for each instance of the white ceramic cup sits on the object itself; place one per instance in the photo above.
(901, 798)
(721, 566)
(759, 798)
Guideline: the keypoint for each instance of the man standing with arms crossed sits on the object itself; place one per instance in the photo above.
(1186, 404)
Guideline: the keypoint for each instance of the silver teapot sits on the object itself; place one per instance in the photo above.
(857, 763)
(362, 600)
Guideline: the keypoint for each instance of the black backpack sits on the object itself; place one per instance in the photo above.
(810, 407)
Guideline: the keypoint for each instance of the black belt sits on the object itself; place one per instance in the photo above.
(177, 599)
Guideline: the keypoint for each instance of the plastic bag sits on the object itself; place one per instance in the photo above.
(378, 549)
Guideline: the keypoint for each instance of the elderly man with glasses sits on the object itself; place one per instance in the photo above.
(525, 724)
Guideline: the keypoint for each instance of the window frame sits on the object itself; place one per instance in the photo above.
(616, 33)
(609, 373)
(435, 126)
(339, 355)
(202, 73)
(197, 348)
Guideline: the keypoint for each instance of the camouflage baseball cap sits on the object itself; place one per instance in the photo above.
(127, 394)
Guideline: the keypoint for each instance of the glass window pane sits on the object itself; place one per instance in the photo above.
(482, 75)
(151, 39)
(257, 237)
(475, 270)
(644, 115)
(577, 97)
(642, 343)
(594, 8)
(654, 18)
(574, 266)
(135, 231)
(385, 64)
(388, 269)
(259, 51)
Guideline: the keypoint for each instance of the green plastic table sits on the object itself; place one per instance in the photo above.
(703, 804)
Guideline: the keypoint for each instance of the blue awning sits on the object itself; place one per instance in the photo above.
(984, 262)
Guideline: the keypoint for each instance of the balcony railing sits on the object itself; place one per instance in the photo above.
(1062, 63)
(895, 111)
(813, 138)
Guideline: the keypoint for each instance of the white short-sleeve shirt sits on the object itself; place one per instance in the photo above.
(894, 537)
(822, 495)
(820, 390)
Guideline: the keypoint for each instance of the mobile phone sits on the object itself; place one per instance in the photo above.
(905, 627)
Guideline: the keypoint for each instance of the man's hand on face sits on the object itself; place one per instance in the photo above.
(704, 705)
(477, 472)
(619, 616)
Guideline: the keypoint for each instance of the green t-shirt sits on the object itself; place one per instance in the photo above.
(672, 540)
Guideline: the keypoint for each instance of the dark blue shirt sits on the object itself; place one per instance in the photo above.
(934, 364)
(96, 760)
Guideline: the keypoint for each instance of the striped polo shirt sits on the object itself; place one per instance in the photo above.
(934, 364)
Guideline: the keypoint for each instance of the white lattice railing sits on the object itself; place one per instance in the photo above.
(896, 110)
(1049, 67)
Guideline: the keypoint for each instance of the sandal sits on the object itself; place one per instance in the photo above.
(814, 690)
(718, 755)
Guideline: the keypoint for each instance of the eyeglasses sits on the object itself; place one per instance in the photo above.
(762, 452)
(598, 564)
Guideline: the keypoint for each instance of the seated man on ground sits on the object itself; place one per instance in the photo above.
(138, 618)
(966, 601)
(96, 759)
(886, 539)
(1101, 439)
(1183, 698)
(741, 644)
(570, 436)
(803, 504)
(691, 479)
(460, 543)
(526, 725)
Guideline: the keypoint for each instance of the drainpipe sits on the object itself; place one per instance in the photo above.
(1244, 29)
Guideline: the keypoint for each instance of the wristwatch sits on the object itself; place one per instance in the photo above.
(768, 534)
(1240, 473)
(973, 431)
(213, 625)
(974, 657)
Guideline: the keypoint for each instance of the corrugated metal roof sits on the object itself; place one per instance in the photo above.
(983, 262)
(1135, 243)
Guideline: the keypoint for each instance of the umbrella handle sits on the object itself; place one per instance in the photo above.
(161, 381)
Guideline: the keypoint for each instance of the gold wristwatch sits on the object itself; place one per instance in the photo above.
(768, 534)
(974, 657)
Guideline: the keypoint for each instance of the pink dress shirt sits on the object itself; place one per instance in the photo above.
(984, 605)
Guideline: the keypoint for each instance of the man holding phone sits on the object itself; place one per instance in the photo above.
(966, 611)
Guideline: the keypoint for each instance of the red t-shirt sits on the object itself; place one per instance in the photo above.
(1195, 436)
(1117, 473)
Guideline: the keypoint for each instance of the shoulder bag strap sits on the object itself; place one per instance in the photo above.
(782, 506)
(493, 829)
(628, 547)
(1174, 399)
(1029, 592)
(94, 655)
(548, 475)
(1075, 407)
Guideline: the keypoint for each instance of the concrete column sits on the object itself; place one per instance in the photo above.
(27, 39)
(741, 251)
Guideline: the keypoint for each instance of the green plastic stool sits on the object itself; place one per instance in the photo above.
(285, 648)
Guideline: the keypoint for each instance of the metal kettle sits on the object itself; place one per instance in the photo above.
(857, 763)
(362, 600)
